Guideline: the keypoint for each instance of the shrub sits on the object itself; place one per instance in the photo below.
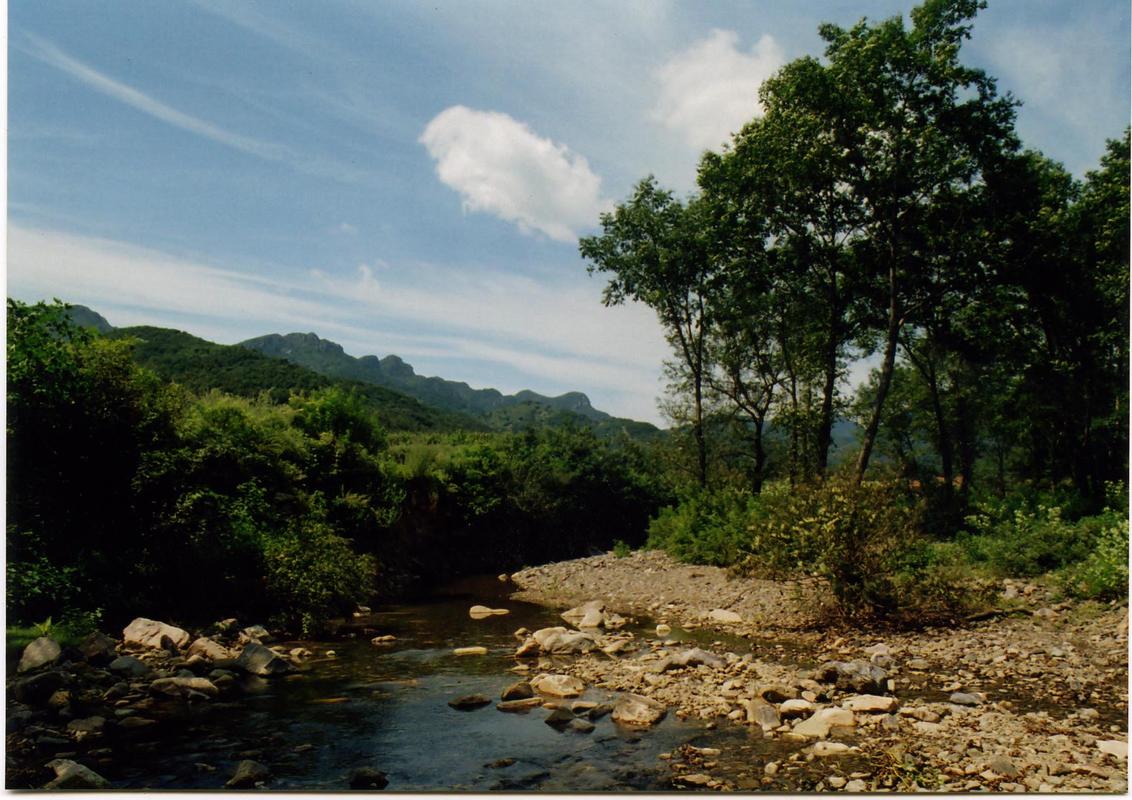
(1026, 543)
(705, 527)
(1104, 574)
(621, 549)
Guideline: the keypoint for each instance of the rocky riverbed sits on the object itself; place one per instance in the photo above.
(1033, 698)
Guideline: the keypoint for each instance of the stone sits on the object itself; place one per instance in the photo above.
(818, 725)
(368, 778)
(600, 710)
(59, 699)
(130, 666)
(469, 702)
(694, 779)
(559, 717)
(558, 685)
(1004, 766)
(580, 726)
(86, 728)
(483, 612)
(692, 657)
(210, 649)
(38, 688)
(184, 687)
(870, 703)
(776, 693)
(587, 615)
(518, 691)
(470, 651)
(248, 774)
(136, 722)
(771, 768)
(500, 763)
(724, 616)
(829, 748)
(638, 711)
(663, 630)
(966, 698)
(613, 622)
(857, 785)
(857, 676)
(151, 634)
(98, 648)
(562, 641)
(255, 633)
(519, 706)
(761, 713)
(836, 781)
(43, 652)
(72, 775)
(918, 664)
(1113, 747)
(256, 659)
(797, 707)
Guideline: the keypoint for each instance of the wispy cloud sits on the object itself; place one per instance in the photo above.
(554, 336)
(318, 166)
(499, 165)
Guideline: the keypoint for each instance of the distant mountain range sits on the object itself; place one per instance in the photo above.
(402, 399)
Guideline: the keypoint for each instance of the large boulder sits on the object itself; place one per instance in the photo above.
(149, 633)
(587, 615)
(558, 685)
(856, 676)
(637, 711)
(561, 641)
(98, 648)
(259, 660)
(692, 657)
(40, 653)
(72, 775)
(210, 649)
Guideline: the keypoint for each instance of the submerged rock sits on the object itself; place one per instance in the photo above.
(518, 691)
(469, 702)
(635, 710)
(259, 660)
(72, 775)
(248, 774)
(368, 778)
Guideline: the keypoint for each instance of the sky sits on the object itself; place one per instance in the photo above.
(412, 177)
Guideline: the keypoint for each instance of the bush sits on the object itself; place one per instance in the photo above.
(1026, 543)
(706, 527)
(1104, 574)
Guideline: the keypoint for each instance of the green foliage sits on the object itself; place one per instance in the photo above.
(621, 549)
(1103, 575)
(706, 527)
(1026, 542)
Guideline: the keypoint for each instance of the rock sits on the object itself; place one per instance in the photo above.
(635, 710)
(613, 622)
(256, 659)
(797, 707)
(818, 725)
(870, 703)
(692, 657)
(763, 714)
(72, 775)
(98, 648)
(248, 774)
(368, 778)
(130, 666)
(857, 785)
(519, 706)
(967, 698)
(836, 781)
(152, 634)
(562, 641)
(890, 723)
(38, 688)
(587, 615)
(255, 633)
(580, 726)
(387, 638)
(500, 763)
(771, 768)
(86, 728)
(40, 653)
(1004, 766)
(663, 630)
(470, 651)
(518, 691)
(136, 722)
(559, 717)
(482, 612)
(184, 687)
(858, 676)
(558, 685)
(724, 616)
(694, 779)
(829, 748)
(59, 699)
(776, 693)
(212, 650)
(918, 664)
(470, 702)
(1113, 747)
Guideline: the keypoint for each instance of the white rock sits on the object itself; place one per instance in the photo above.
(635, 710)
(1114, 747)
(470, 651)
(870, 703)
(723, 615)
(558, 685)
(829, 748)
(40, 653)
(149, 633)
(797, 707)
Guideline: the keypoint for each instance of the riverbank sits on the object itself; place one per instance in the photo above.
(1035, 699)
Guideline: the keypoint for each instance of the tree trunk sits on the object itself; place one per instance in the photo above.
(886, 368)
(698, 431)
(760, 458)
(825, 421)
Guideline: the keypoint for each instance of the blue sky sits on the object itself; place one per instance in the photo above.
(411, 177)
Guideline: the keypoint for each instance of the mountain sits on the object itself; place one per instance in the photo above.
(87, 318)
(522, 410)
(200, 366)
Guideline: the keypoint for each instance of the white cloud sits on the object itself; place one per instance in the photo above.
(547, 337)
(708, 91)
(502, 167)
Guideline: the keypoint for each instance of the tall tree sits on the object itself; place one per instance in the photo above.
(657, 251)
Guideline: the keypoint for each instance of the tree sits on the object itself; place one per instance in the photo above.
(657, 251)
